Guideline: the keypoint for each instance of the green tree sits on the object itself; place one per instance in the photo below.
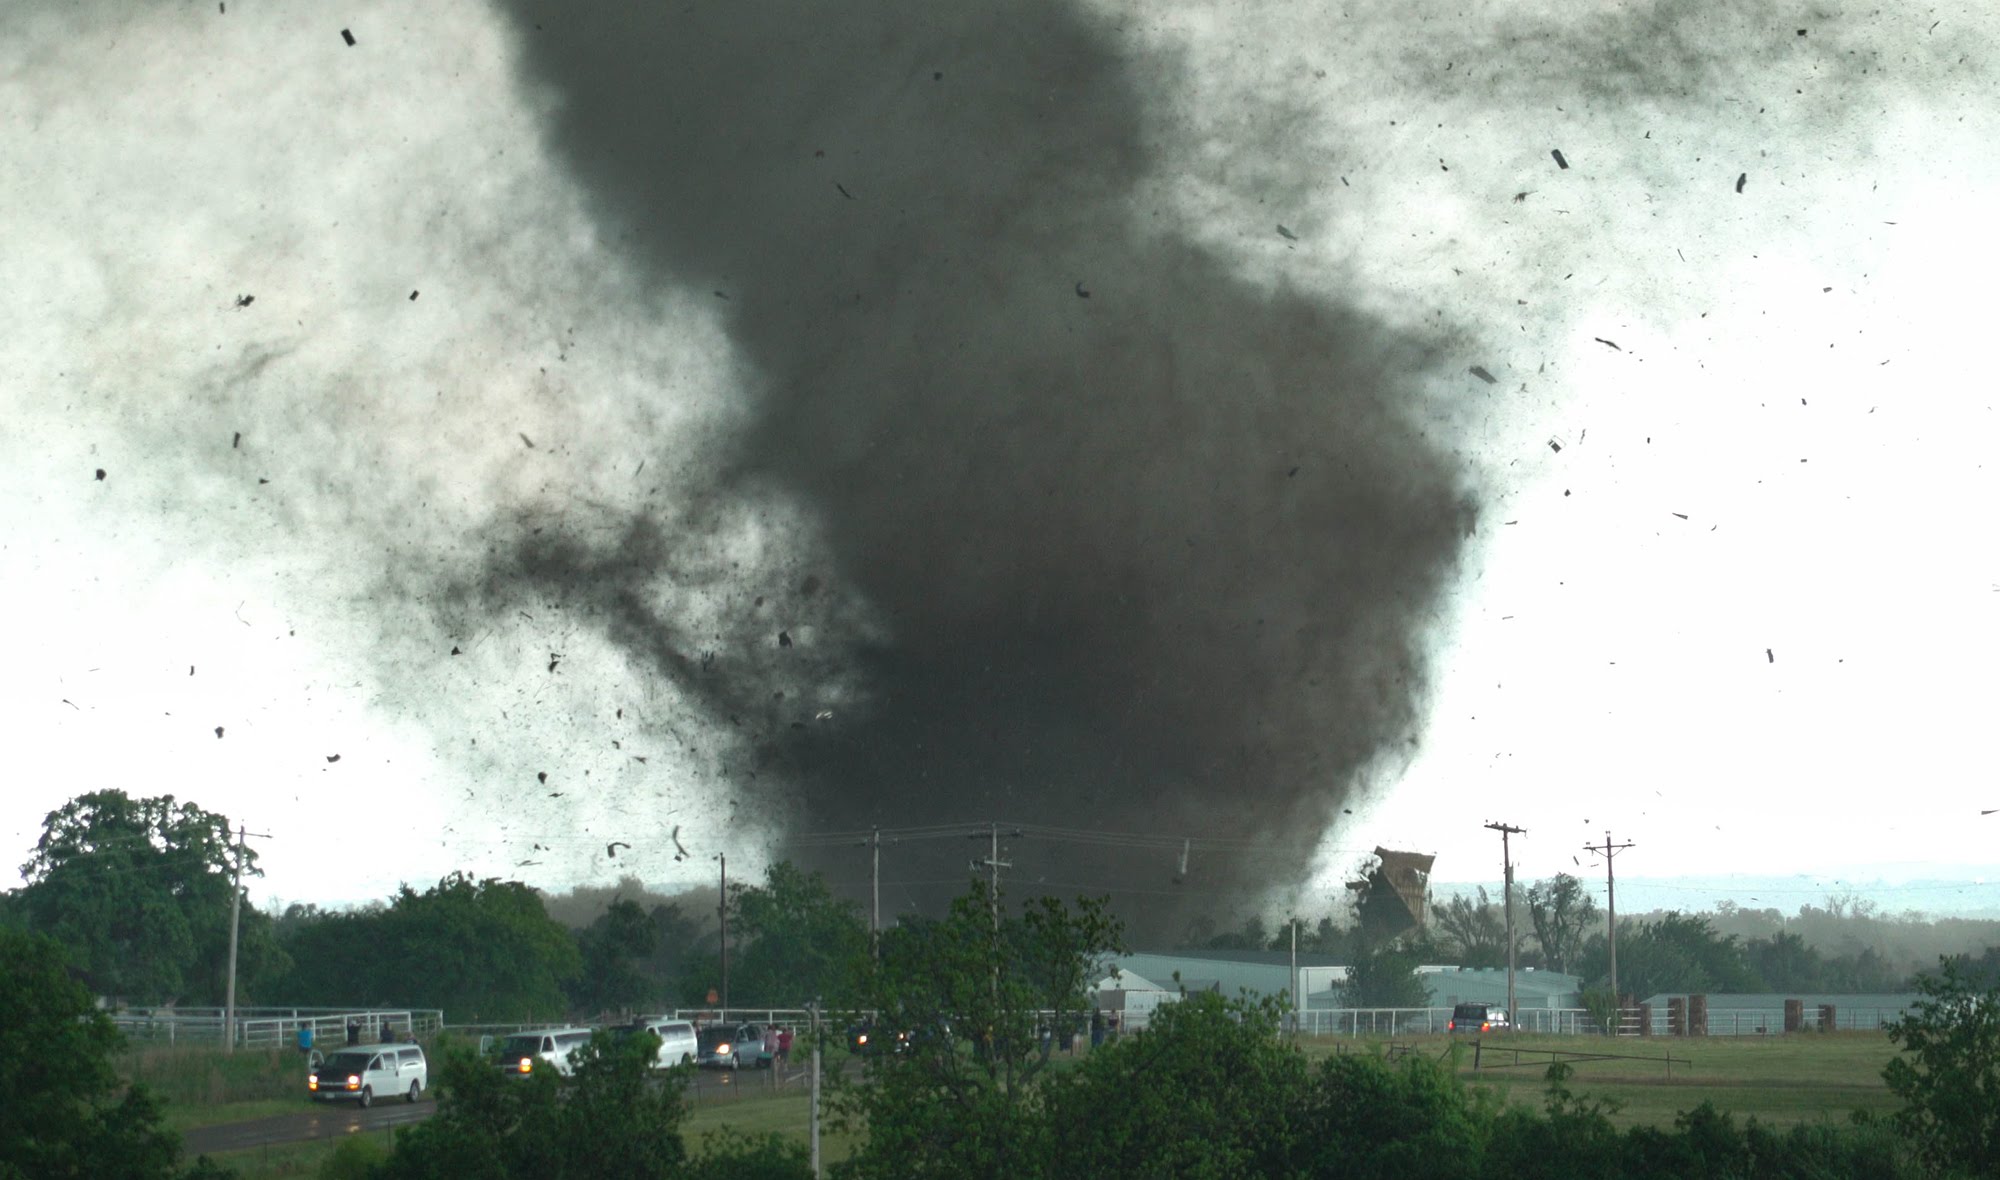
(614, 949)
(1562, 914)
(1200, 1092)
(1674, 953)
(481, 950)
(1784, 963)
(137, 891)
(795, 941)
(1948, 1075)
(611, 1119)
(977, 989)
(1385, 976)
(63, 1111)
(1473, 931)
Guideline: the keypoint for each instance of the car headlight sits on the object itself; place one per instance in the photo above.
(353, 1081)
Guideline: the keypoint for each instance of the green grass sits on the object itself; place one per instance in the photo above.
(1779, 1080)
(284, 1160)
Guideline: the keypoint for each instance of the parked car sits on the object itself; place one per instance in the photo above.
(679, 1043)
(866, 1038)
(359, 1073)
(554, 1048)
(732, 1046)
(1478, 1018)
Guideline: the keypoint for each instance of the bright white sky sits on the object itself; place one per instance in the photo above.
(1790, 451)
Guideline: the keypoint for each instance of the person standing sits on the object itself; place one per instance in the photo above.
(785, 1045)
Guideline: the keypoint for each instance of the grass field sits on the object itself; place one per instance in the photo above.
(1779, 1080)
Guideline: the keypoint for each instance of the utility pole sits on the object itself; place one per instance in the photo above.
(814, 1130)
(235, 923)
(1507, 904)
(994, 864)
(1608, 850)
(875, 913)
(1297, 1004)
(722, 911)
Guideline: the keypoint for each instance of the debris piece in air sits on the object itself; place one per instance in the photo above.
(236, 440)
(455, 651)
(680, 850)
(333, 757)
(1555, 446)
(720, 295)
(843, 190)
(541, 776)
(1480, 372)
(784, 639)
(1768, 657)
(100, 475)
(1293, 472)
(554, 659)
(611, 849)
(347, 36)
(413, 297)
(1560, 162)
(1610, 343)
(245, 300)
(529, 441)
(1080, 292)
(1741, 177)
(1286, 234)
(1521, 196)
(1682, 515)
(218, 732)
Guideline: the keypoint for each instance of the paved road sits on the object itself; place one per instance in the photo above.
(322, 1120)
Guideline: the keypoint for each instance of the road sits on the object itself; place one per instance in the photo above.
(323, 1120)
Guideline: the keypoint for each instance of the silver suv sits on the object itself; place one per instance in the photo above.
(1478, 1018)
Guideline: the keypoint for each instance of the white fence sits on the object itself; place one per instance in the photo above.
(267, 1028)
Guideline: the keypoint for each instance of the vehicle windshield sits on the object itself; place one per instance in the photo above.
(514, 1048)
(345, 1063)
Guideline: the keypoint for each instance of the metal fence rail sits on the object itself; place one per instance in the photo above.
(274, 1027)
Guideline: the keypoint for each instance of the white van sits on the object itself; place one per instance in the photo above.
(678, 1043)
(361, 1073)
(552, 1047)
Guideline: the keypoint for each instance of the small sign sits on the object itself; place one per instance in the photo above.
(714, 997)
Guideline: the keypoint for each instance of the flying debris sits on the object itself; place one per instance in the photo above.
(1612, 344)
(528, 442)
(1555, 446)
(611, 849)
(1768, 657)
(680, 850)
(245, 300)
(333, 757)
(1560, 162)
(236, 440)
(218, 732)
(1080, 292)
(542, 776)
(1286, 234)
(1522, 196)
(413, 297)
(1480, 372)
(784, 639)
(1740, 178)
(843, 190)
(347, 36)
(100, 475)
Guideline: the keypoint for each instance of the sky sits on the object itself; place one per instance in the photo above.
(437, 428)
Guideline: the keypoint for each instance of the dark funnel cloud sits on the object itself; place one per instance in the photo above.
(1106, 534)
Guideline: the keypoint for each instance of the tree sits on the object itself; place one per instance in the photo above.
(137, 891)
(1198, 1093)
(63, 1111)
(1948, 1075)
(613, 949)
(610, 1119)
(1474, 931)
(1674, 953)
(1784, 963)
(481, 950)
(1562, 914)
(976, 989)
(796, 942)
(1385, 976)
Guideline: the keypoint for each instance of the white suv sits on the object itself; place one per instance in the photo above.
(553, 1047)
(678, 1042)
(361, 1072)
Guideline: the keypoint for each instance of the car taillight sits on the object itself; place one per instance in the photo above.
(1485, 1026)
(527, 1064)
(1451, 1026)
